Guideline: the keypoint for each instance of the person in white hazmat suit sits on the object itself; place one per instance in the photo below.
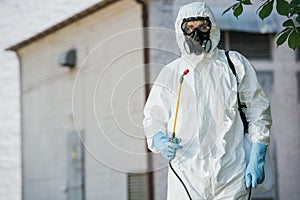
(210, 159)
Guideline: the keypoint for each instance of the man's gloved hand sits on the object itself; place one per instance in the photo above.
(255, 170)
(165, 146)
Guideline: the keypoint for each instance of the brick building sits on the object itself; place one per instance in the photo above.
(73, 146)
(57, 102)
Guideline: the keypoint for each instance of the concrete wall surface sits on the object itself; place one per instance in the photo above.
(103, 97)
(43, 76)
(19, 20)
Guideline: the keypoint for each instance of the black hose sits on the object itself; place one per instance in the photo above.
(249, 197)
(186, 190)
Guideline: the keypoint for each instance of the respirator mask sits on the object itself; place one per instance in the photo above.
(196, 31)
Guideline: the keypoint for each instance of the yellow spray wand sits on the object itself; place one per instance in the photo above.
(173, 138)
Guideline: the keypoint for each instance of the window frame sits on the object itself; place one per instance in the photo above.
(228, 46)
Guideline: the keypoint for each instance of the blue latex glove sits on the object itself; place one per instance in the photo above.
(165, 146)
(255, 170)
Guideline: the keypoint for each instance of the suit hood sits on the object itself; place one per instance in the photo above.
(197, 9)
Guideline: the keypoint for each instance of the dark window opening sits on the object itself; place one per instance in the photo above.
(298, 54)
(252, 45)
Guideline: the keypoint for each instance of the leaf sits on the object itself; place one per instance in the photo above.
(261, 6)
(283, 7)
(230, 8)
(288, 23)
(282, 31)
(237, 10)
(282, 38)
(295, 2)
(294, 40)
(266, 9)
(246, 2)
(293, 9)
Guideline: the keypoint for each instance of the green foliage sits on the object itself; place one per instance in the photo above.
(246, 2)
(283, 36)
(238, 9)
(294, 39)
(283, 7)
(290, 10)
(265, 9)
(288, 23)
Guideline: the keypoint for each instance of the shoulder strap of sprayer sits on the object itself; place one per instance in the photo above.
(243, 116)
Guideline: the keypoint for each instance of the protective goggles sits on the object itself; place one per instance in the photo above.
(188, 28)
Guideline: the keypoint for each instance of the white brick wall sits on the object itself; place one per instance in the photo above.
(19, 20)
(47, 104)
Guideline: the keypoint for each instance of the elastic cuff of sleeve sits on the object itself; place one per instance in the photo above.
(151, 146)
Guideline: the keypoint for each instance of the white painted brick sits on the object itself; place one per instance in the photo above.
(19, 20)
(47, 104)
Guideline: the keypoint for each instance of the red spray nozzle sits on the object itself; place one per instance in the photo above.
(186, 71)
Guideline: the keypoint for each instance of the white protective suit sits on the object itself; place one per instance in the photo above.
(212, 160)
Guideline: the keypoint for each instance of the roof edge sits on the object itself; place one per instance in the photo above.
(61, 24)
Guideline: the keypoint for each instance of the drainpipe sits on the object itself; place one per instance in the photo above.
(145, 19)
(21, 123)
(146, 44)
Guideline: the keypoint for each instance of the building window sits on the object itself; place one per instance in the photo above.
(252, 45)
(138, 186)
(298, 54)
